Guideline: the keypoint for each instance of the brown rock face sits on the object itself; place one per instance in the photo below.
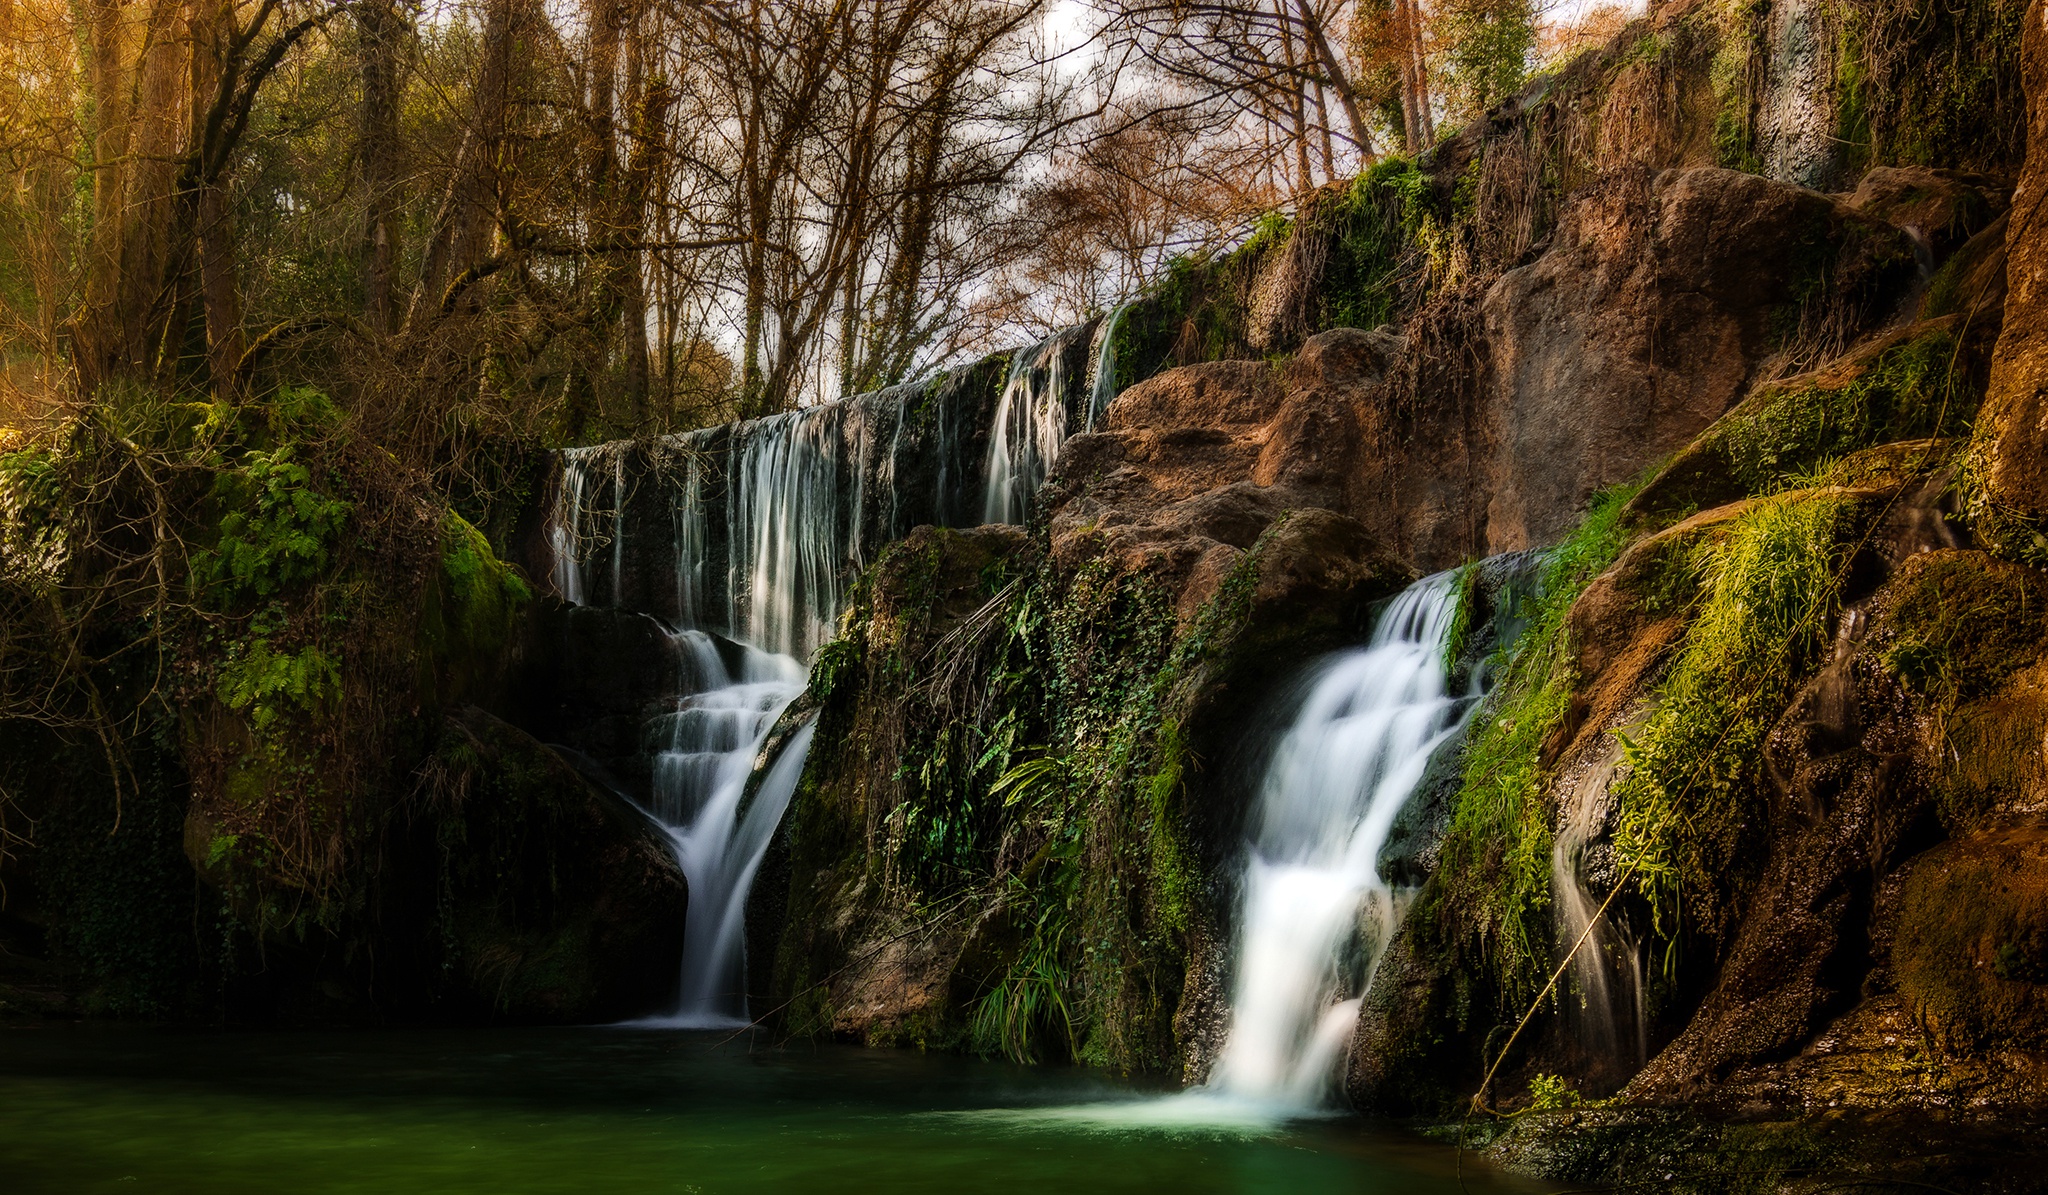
(1646, 320)
(1972, 950)
(2013, 428)
(1659, 301)
(1195, 464)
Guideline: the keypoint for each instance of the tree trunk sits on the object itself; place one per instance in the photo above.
(380, 30)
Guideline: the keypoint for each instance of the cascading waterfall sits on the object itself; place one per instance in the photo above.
(708, 746)
(1356, 750)
(769, 519)
(1030, 426)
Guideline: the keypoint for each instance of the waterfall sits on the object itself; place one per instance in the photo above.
(1030, 426)
(791, 542)
(708, 748)
(566, 531)
(769, 521)
(1355, 752)
(1102, 388)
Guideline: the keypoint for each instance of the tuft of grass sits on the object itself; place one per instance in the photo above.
(1685, 804)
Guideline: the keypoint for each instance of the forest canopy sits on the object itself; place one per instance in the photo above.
(615, 217)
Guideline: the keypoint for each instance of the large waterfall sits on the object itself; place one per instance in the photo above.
(1314, 913)
(1359, 743)
(743, 539)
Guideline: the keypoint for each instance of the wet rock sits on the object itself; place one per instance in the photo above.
(1971, 954)
(542, 896)
(590, 677)
(2012, 441)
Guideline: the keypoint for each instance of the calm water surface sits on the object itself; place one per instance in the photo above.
(93, 1108)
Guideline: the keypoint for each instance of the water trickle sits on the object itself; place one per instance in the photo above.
(1102, 388)
(1603, 1009)
(1030, 426)
(567, 523)
(1315, 913)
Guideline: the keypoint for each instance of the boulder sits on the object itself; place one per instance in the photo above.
(542, 896)
(1657, 304)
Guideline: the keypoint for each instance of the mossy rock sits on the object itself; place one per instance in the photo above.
(1971, 952)
(1925, 380)
(468, 614)
(1955, 624)
(555, 901)
(1972, 280)
(1997, 767)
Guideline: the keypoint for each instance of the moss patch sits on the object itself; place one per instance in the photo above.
(1685, 809)
(1972, 950)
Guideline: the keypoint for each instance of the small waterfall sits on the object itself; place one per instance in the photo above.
(1102, 389)
(708, 749)
(566, 529)
(1315, 914)
(1603, 1006)
(1030, 426)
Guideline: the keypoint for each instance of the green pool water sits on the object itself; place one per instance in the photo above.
(93, 1108)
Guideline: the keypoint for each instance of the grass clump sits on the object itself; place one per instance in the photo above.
(1684, 807)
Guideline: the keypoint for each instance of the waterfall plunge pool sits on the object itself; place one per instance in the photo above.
(91, 1108)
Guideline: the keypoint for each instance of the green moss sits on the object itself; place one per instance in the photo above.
(1495, 879)
(1909, 391)
(1684, 808)
(1959, 624)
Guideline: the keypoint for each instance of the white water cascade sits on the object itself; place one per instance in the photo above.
(1030, 426)
(1356, 750)
(769, 520)
(566, 530)
(700, 786)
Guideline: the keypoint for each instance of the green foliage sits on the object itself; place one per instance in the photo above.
(268, 683)
(1028, 1004)
(1369, 224)
(1736, 77)
(31, 513)
(1551, 1093)
(1926, 84)
(1910, 390)
(1684, 806)
(276, 529)
(1497, 847)
(1488, 43)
